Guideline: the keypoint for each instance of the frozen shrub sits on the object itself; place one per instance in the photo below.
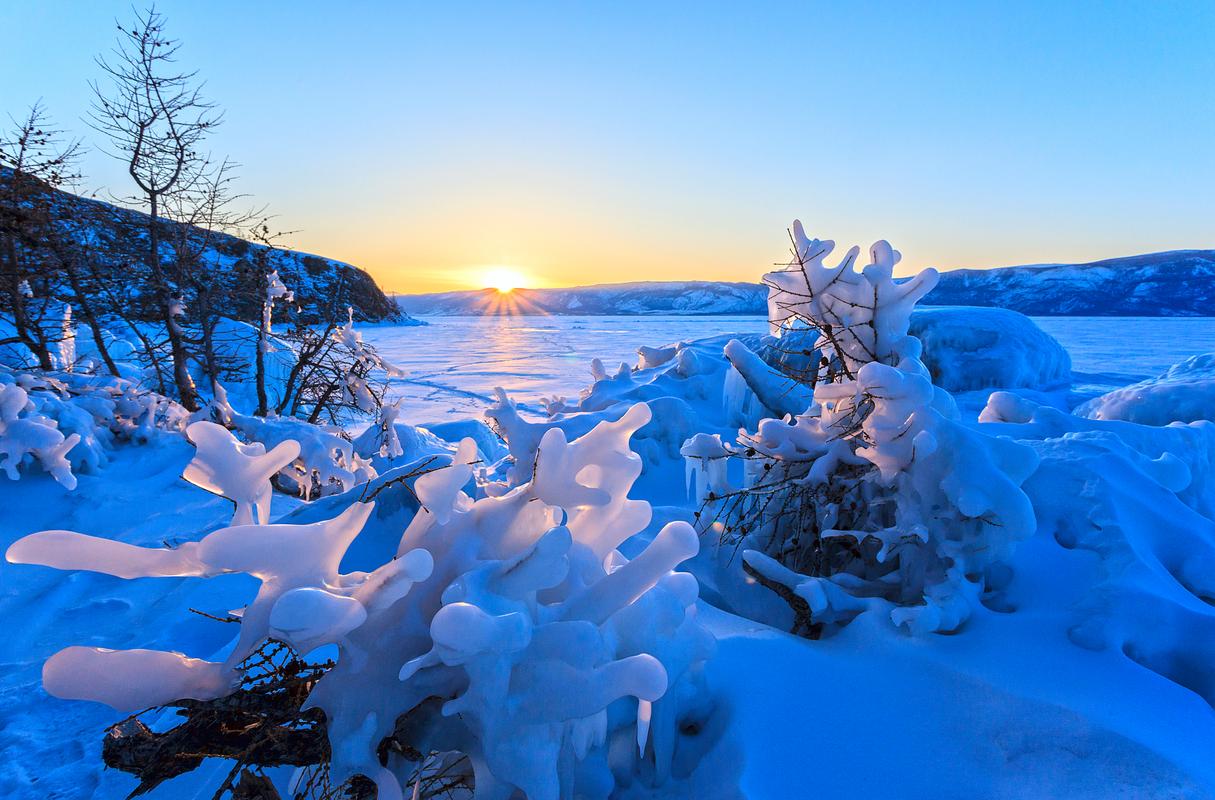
(872, 495)
(66, 422)
(326, 464)
(27, 437)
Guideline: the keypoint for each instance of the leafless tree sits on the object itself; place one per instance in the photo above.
(155, 118)
(34, 159)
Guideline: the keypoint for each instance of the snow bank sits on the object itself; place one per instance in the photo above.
(967, 349)
(1141, 500)
(1185, 393)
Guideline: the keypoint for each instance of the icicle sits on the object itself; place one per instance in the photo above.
(67, 341)
(644, 711)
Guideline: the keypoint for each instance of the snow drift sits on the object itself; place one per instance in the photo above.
(1185, 393)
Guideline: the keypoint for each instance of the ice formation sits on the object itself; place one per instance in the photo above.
(238, 471)
(327, 462)
(1184, 393)
(967, 349)
(66, 422)
(27, 436)
(509, 628)
(67, 341)
(873, 487)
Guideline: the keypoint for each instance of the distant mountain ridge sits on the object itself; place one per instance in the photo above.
(666, 297)
(1178, 283)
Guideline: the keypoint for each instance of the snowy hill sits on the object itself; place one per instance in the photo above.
(1178, 283)
(113, 238)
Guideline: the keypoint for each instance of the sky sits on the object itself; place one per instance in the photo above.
(444, 145)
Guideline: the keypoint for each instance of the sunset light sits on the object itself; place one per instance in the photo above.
(547, 373)
(504, 279)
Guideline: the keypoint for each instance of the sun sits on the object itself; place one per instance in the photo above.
(504, 279)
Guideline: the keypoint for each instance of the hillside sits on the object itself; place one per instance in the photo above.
(111, 239)
(1179, 283)
(1174, 284)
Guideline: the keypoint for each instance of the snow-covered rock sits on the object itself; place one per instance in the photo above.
(1185, 393)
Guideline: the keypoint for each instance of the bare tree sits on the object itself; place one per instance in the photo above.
(202, 210)
(155, 118)
(34, 159)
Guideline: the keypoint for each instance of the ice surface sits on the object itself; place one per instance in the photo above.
(455, 362)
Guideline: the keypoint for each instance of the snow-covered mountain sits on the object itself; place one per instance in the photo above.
(1177, 283)
(667, 297)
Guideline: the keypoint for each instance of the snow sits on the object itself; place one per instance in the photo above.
(966, 349)
(549, 579)
(1184, 393)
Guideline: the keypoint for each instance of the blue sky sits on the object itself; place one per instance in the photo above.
(581, 143)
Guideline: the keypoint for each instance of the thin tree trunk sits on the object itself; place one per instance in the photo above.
(25, 330)
(186, 390)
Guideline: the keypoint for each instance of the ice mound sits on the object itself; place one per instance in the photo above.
(966, 349)
(1185, 393)
(1140, 501)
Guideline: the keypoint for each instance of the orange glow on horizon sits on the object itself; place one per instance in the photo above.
(504, 279)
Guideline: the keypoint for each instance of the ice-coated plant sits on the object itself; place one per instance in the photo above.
(509, 637)
(241, 472)
(65, 423)
(868, 493)
(28, 437)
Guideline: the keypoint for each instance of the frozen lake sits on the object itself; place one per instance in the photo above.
(455, 362)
